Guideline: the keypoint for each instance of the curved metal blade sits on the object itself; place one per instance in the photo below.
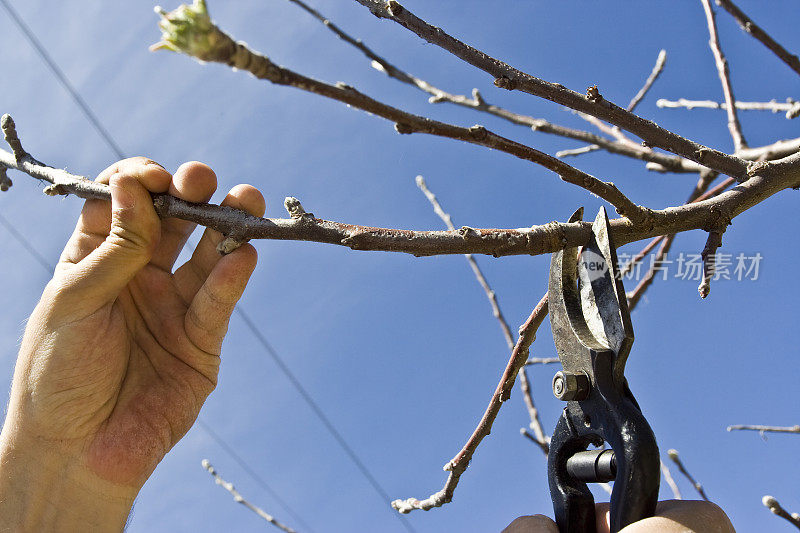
(602, 296)
(588, 307)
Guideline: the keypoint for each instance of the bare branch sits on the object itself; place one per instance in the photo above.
(238, 498)
(543, 445)
(661, 60)
(762, 429)
(790, 107)
(673, 454)
(460, 462)
(769, 178)
(527, 395)
(542, 361)
(181, 33)
(478, 103)
(658, 68)
(775, 508)
(697, 194)
(724, 77)
(508, 77)
(753, 29)
(635, 295)
(709, 255)
(676, 492)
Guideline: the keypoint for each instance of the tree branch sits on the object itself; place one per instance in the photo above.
(198, 37)
(478, 103)
(527, 395)
(775, 508)
(238, 498)
(460, 462)
(790, 107)
(673, 454)
(658, 68)
(762, 429)
(508, 77)
(753, 29)
(676, 492)
(724, 77)
(768, 178)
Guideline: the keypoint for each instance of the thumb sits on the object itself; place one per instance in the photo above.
(132, 238)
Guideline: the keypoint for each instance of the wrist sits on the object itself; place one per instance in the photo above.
(45, 486)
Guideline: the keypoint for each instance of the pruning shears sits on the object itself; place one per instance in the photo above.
(593, 337)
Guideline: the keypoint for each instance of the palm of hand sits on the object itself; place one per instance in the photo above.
(123, 374)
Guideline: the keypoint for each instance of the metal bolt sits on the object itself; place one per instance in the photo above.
(569, 386)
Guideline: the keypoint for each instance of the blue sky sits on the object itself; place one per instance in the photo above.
(402, 354)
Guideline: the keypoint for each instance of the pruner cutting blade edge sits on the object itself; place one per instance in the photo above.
(593, 337)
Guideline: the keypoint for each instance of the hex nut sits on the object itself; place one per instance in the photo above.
(569, 386)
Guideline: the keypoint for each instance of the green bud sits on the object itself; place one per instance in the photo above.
(188, 29)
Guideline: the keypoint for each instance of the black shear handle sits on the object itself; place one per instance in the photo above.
(616, 419)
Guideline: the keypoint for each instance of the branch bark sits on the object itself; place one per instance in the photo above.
(673, 454)
(753, 29)
(775, 508)
(762, 429)
(734, 126)
(508, 77)
(182, 34)
(460, 462)
(771, 178)
(790, 107)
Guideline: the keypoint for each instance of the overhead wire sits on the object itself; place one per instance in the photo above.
(250, 324)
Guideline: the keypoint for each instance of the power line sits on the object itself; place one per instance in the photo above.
(101, 130)
(62, 78)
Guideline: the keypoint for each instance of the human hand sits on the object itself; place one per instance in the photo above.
(120, 353)
(672, 516)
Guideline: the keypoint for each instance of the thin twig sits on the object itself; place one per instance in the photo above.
(753, 29)
(676, 492)
(698, 193)
(508, 77)
(527, 395)
(542, 361)
(762, 429)
(791, 107)
(724, 77)
(673, 454)
(709, 255)
(238, 498)
(658, 68)
(543, 445)
(775, 508)
(460, 462)
(478, 103)
(182, 33)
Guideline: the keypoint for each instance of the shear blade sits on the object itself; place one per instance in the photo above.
(602, 298)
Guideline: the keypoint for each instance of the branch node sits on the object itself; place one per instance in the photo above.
(394, 7)
(294, 207)
(478, 97)
(10, 133)
(229, 244)
(5, 181)
(504, 82)
(466, 231)
(593, 94)
(478, 132)
(403, 129)
(55, 190)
